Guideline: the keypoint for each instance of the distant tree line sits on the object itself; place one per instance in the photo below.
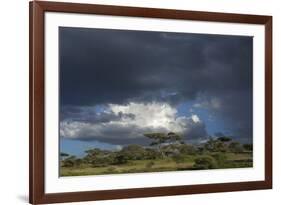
(171, 145)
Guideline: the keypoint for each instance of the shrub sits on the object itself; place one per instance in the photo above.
(71, 161)
(235, 147)
(152, 154)
(78, 162)
(220, 158)
(120, 159)
(133, 152)
(150, 164)
(187, 149)
(216, 145)
(248, 147)
(200, 150)
(99, 158)
(178, 158)
(111, 169)
(205, 162)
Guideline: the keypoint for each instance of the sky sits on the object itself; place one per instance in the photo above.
(117, 85)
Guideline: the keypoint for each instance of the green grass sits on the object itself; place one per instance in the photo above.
(233, 160)
(131, 167)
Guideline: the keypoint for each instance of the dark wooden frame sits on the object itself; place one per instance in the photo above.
(37, 95)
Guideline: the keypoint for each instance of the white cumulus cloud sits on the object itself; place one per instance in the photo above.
(148, 117)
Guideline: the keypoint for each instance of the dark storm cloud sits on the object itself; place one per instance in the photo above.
(101, 66)
(116, 66)
(235, 108)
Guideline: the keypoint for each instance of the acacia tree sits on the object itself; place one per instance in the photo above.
(224, 139)
(174, 138)
(97, 157)
(133, 152)
(63, 155)
(217, 144)
(71, 161)
(158, 139)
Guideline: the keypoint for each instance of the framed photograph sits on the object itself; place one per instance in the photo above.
(138, 102)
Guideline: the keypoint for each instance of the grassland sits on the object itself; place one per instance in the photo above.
(186, 162)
